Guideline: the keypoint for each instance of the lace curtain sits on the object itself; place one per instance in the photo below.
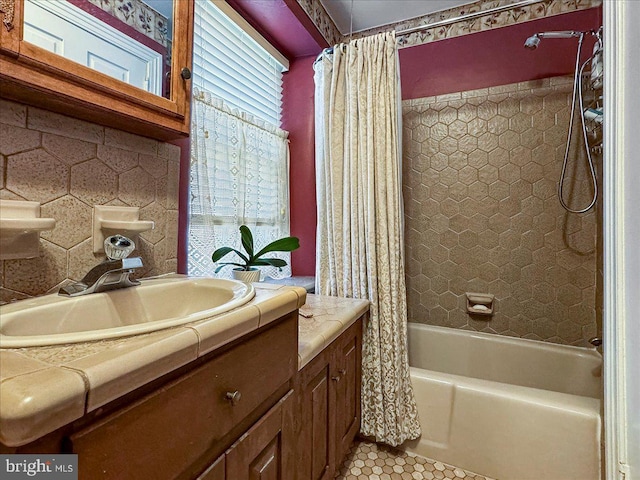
(239, 176)
(360, 231)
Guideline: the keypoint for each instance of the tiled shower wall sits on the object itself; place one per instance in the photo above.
(69, 166)
(480, 172)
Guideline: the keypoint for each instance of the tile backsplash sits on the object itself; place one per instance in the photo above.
(480, 173)
(70, 165)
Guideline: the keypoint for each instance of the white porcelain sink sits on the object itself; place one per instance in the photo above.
(153, 305)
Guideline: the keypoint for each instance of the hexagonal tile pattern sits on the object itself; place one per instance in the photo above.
(17, 139)
(481, 203)
(53, 161)
(93, 182)
(368, 461)
(73, 221)
(35, 276)
(155, 212)
(136, 187)
(68, 150)
(36, 175)
(12, 113)
(118, 159)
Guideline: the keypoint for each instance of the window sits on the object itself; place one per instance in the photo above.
(232, 66)
(239, 155)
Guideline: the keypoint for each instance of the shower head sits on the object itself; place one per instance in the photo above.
(534, 40)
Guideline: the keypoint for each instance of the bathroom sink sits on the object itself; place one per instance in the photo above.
(153, 305)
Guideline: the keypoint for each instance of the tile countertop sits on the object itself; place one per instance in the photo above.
(331, 317)
(45, 388)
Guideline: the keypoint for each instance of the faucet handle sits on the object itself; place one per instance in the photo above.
(118, 247)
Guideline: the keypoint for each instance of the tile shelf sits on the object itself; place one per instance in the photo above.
(20, 227)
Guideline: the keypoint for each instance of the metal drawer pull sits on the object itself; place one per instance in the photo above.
(233, 397)
(339, 376)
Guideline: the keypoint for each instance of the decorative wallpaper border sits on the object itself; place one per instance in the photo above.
(7, 8)
(321, 19)
(545, 8)
(139, 16)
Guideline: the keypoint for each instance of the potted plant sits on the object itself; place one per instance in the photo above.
(247, 271)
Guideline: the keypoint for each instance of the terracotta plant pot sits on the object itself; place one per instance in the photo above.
(247, 276)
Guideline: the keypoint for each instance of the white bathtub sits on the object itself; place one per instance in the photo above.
(508, 408)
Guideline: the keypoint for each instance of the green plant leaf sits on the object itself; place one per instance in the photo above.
(221, 252)
(274, 262)
(222, 265)
(286, 244)
(247, 240)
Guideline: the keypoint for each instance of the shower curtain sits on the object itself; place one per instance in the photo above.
(360, 229)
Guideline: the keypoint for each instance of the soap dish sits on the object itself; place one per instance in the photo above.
(480, 303)
(114, 220)
(20, 227)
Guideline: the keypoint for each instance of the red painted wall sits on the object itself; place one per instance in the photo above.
(284, 24)
(494, 57)
(297, 119)
(480, 60)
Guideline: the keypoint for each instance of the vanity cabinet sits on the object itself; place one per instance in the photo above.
(36, 76)
(329, 406)
(232, 414)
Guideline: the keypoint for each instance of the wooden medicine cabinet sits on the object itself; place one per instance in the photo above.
(87, 75)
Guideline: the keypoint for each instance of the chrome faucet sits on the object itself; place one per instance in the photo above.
(112, 273)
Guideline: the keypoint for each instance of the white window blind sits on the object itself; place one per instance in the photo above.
(231, 65)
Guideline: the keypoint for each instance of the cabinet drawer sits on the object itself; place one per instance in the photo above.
(179, 426)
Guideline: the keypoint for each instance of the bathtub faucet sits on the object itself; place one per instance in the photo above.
(112, 273)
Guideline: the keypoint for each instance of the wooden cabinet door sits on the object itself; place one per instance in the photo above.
(346, 377)
(316, 447)
(265, 451)
(329, 406)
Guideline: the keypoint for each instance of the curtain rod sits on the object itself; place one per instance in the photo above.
(469, 16)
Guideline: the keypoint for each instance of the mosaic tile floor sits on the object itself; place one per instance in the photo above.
(369, 461)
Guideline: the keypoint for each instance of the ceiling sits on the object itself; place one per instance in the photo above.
(374, 13)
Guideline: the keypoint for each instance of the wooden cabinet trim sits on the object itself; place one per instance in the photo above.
(40, 78)
(60, 69)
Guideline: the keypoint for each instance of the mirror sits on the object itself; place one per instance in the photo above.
(126, 39)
